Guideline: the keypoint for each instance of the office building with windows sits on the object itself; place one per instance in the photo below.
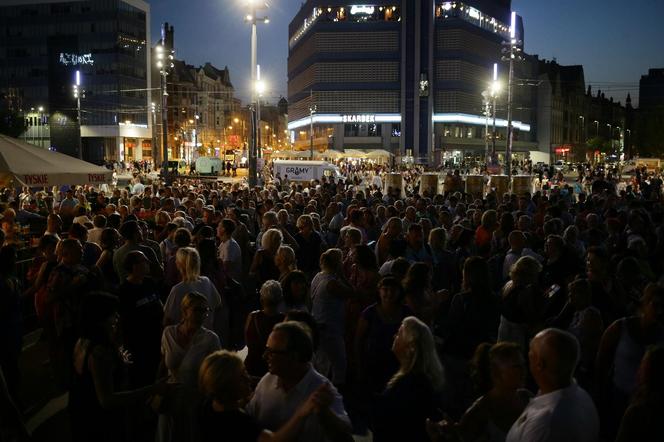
(47, 44)
(400, 75)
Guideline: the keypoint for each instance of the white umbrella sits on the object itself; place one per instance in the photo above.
(28, 165)
(378, 153)
(354, 153)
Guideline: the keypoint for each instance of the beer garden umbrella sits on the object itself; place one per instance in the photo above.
(22, 164)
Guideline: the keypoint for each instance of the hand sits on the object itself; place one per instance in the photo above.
(162, 387)
(318, 400)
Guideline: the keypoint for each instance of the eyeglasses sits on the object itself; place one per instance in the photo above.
(270, 351)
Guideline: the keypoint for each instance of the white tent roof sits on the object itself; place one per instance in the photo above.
(28, 165)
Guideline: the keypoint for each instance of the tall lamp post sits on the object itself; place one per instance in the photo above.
(39, 126)
(312, 112)
(78, 92)
(495, 90)
(165, 57)
(512, 49)
(251, 18)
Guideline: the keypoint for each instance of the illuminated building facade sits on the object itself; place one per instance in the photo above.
(400, 75)
(44, 43)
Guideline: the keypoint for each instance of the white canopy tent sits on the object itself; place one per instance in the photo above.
(23, 164)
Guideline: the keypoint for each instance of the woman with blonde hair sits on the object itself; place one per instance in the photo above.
(184, 346)
(412, 395)
(226, 386)
(285, 261)
(263, 268)
(188, 262)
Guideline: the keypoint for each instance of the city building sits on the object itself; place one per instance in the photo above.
(561, 111)
(201, 107)
(651, 114)
(402, 76)
(48, 46)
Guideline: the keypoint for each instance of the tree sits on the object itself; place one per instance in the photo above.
(602, 144)
(11, 123)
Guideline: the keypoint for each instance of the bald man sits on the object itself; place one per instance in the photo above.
(561, 411)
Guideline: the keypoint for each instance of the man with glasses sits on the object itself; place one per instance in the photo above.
(310, 246)
(291, 381)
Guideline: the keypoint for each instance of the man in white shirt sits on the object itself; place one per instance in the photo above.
(230, 253)
(94, 234)
(517, 241)
(562, 411)
(290, 382)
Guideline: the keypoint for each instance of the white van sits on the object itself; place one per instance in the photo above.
(305, 170)
(209, 166)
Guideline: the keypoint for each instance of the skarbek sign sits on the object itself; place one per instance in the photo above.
(75, 59)
(358, 118)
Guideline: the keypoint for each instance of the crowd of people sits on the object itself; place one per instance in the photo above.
(201, 311)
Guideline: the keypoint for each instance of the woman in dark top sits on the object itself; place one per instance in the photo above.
(375, 332)
(226, 385)
(259, 326)
(142, 314)
(212, 267)
(263, 268)
(110, 241)
(411, 397)
(11, 318)
(474, 314)
(98, 402)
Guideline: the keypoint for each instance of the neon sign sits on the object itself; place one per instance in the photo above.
(354, 10)
(75, 59)
(358, 118)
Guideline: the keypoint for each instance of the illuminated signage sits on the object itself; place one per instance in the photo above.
(75, 59)
(474, 13)
(358, 118)
(354, 10)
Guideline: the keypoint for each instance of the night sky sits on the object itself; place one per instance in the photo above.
(615, 40)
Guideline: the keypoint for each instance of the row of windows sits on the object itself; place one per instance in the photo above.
(77, 7)
(352, 14)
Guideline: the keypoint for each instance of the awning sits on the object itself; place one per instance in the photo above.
(23, 164)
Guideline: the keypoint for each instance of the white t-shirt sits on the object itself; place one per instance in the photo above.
(272, 407)
(183, 363)
(565, 415)
(94, 235)
(203, 286)
(229, 251)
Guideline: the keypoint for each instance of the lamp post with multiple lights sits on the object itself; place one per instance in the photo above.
(165, 56)
(512, 48)
(254, 6)
(78, 92)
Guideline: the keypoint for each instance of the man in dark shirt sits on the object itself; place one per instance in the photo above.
(310, 246)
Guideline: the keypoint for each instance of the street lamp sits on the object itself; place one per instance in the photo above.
(512, 49)
(39, 126)
(165, 55)
(78, 92)
(596, 123)
(583, 126)
(495, 91)
(251, 18)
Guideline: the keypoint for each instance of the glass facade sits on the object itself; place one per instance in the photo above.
(114, 76)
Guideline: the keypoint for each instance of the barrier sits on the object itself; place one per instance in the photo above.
(475, 185)
(522, 184)
(500, 183)
(395, 181)
(429, 182)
